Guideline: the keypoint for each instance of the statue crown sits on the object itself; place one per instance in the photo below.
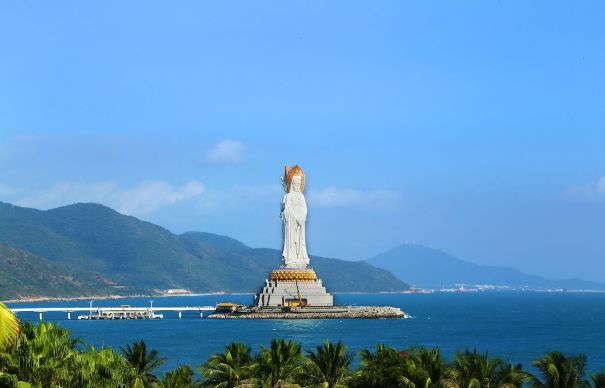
(291, 172)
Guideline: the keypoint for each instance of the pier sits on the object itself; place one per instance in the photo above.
(119, 312)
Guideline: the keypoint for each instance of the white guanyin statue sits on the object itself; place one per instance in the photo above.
(294, 284)
(294, 217)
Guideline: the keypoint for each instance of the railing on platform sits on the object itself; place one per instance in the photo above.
(100, 311)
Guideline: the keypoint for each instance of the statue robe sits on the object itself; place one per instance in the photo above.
(294, 217)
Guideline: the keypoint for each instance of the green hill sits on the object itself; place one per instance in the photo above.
(143, 257)
(25, 275)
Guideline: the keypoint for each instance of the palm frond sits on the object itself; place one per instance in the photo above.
(9, 327)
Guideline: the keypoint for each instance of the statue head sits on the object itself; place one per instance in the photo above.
(297, 184)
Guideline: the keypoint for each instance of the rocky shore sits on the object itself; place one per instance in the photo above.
(341, 312)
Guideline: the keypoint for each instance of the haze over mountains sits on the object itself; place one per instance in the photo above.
(90, 249)
(427, 267)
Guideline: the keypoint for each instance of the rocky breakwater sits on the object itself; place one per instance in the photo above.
(340, 312)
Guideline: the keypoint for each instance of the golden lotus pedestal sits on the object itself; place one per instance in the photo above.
(293, 275)
(289, 287)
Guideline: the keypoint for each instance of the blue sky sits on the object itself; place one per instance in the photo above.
(475, 127)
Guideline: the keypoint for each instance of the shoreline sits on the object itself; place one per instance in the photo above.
(167, 295)
(111, 297)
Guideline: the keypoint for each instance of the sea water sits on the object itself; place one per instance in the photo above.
(517, 326)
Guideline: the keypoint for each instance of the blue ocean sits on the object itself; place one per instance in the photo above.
(517, 326)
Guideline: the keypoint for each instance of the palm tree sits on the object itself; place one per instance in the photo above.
(9, 334)
(181, 377)
(332, 362)
(510, 376)
(474, 370)
(9, 327)
(559, 371)
(278, 363)
(598, 379)
(422, 367)
(102, 368)
(382, 368)
(45, 355)
(408, 368)
(228, 369)
(144, 363)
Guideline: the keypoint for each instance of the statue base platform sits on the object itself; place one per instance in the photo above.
(293, 287)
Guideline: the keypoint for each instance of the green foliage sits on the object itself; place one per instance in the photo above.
(278, 364)
(382, 368)
(598, 379)
(181, 377)
(423, 367)
(228, 369)
(46, 355)
(426, 367)
(142, 361)
(330, 364)
(472, 369)
(559, 371)
(103, 368)
(9, 327)
(512, 376)
(407, 368)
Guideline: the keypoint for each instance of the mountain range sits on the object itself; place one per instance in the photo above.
(422, 266)
(89, 249)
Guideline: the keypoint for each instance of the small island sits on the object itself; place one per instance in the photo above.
(294, 291)
(334, 312)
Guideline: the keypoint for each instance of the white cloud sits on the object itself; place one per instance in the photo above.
(343, 197)
(144, 198)
(593, 191)
(227, 151)
(149, 196)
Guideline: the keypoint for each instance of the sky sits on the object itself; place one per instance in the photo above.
(476, 127)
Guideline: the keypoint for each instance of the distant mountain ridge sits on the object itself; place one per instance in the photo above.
(427, 267)
(135, 256)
